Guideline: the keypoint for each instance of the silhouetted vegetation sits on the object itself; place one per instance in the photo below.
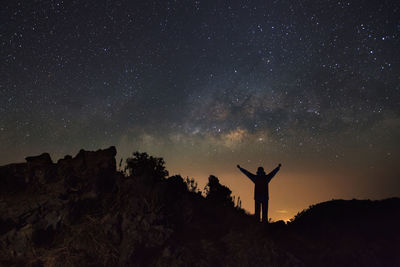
(219, 194)
(141, 164)
(145, 218)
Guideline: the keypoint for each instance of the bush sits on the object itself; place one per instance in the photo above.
(143, 165)
(218, 193)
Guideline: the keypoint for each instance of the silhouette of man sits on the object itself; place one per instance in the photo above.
(261, 196)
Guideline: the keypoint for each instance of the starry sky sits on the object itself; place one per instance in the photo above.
(314, 85)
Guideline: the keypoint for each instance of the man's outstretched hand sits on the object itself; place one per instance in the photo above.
(238, 166)
(279, 165)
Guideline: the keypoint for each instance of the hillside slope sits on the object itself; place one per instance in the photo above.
(81, 211)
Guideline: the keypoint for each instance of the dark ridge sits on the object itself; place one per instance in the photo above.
(82, 211)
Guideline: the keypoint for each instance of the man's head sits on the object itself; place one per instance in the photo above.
(260, 171)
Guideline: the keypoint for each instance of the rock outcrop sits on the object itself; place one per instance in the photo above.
(39, 198)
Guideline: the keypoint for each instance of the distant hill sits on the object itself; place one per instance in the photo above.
(348, 233)
(82, 211)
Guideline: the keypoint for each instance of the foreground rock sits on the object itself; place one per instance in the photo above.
(40, 199)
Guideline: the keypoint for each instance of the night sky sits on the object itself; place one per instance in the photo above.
(314, 85)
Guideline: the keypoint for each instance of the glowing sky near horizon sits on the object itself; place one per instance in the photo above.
(313, 85)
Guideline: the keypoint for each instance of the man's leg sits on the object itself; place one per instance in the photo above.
(257, 209)
(265, 211)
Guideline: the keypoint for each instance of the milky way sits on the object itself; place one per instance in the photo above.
(208, 84)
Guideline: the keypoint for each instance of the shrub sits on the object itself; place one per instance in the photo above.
(218, 193)
(143, 165)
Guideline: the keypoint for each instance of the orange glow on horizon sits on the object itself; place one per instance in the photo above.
(290, 192)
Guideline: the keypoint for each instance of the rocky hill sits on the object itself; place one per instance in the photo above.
(81, 211)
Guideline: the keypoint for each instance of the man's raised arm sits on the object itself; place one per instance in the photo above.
(248, 174)
(274, 171)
